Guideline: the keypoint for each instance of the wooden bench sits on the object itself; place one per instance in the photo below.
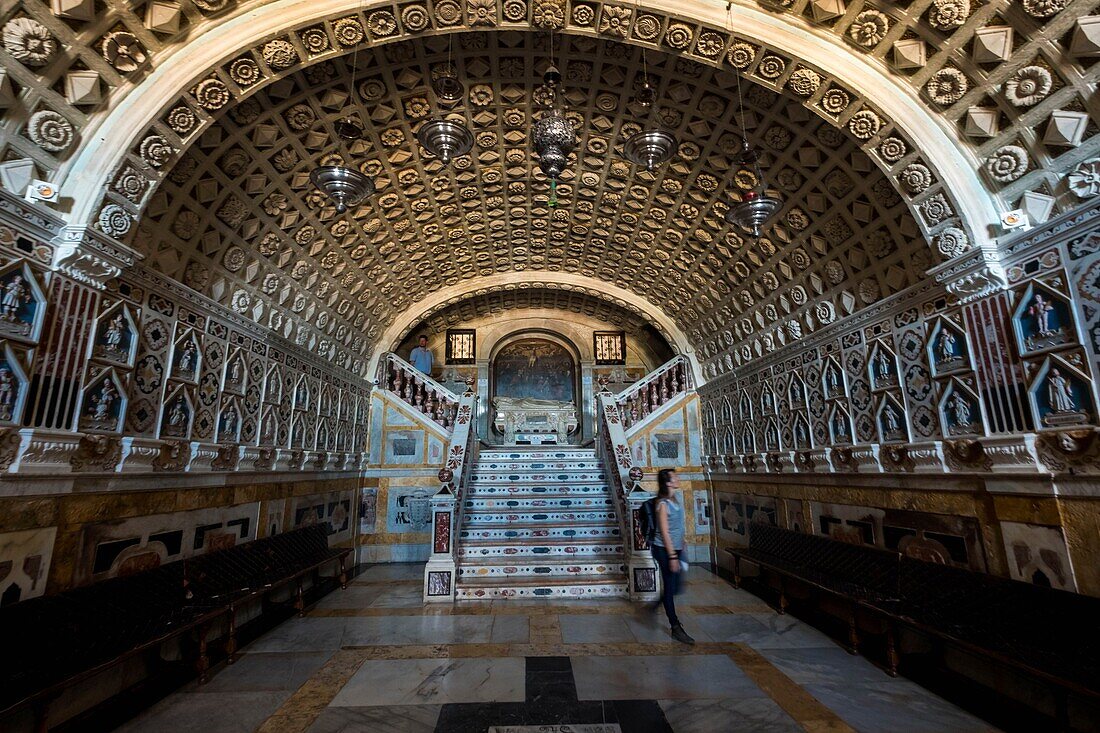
(1047, 635)
(55, 642)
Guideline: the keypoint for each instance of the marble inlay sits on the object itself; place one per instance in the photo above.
(433, 681)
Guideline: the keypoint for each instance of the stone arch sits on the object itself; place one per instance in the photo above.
(840, 82)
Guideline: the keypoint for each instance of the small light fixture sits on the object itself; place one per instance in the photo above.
(348, 129)
(345, 186)
(445, 139)
(651, 147)
(757, 206)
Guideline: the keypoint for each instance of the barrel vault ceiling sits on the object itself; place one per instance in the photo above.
(236, 217)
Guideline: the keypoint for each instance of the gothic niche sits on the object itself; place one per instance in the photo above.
(801, 432)
(1060, 395)
(103, 404)
(115, 337)
(891, 421)
(22, 303)
(274, 392)
(767, 401)
(771, 435)
(745, 406)
(301, 395)
(1043, 320)
(175, 422)
(960, 411)
(229, 422)
(883, 367)
(186, 358)
(235, 374)
(840, 426)
(832, 378)
(13, 387)
(797, 392)
(948, 352)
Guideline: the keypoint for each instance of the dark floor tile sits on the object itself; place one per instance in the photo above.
(641, 716)
(479, 717)
(548, 664)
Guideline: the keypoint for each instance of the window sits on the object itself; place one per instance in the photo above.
(461, 346)
(610, 347)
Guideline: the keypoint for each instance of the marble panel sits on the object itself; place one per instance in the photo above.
(742, 715)
(396, 417)
(511, 630)
(578, 629)
(652, 627)
(393, 571)
(434, 681)
(396, 630)
(661, 678)
(257, 672)
(824, 666)
(220, 712)
(382, 719)
(302, 635)
(25, 563)
(895, 706)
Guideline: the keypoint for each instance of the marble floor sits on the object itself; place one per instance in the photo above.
(375, 659)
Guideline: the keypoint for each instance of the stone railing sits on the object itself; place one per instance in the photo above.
(625, 479)
(419, 390)
(650, 393)
(441, 570)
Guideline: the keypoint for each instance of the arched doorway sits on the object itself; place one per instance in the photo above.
(534, 390)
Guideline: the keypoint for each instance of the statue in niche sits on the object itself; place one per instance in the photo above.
(177, 417)
(891, 419)
(800, 433)
(883, 369)
(1040, 310)
(832, 381)
(840, 429)
(186, 361)
(233, 378)
(229, 423)
(114, 343)
(102, 402)
(1059, 393)
(959, 412)
(15, 295)
(7, 394)
(947, 346)
(796, 392)
(766, 400)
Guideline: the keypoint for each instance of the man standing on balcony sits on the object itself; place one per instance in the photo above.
(421, 356)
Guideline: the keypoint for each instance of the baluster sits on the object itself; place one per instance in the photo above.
(398, 379)
(664, 388)
(431, 405)
(633, 409)
(653, 396)
(420, 396)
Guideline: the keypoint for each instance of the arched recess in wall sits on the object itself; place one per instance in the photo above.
(541, 334)
(847, 89)
(505, 282)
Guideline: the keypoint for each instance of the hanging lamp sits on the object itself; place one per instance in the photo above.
(346, 187)
(446, 138)
(651, 147)
(757, 205)
(553, 136)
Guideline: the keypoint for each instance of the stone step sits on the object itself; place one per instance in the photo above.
(523, 570)
(542, 454)
(485, 466)
(582, 587)
(538, 532)
(533, 503)
(532, 551)
(533, 516)
(518, 477)
(511, 490)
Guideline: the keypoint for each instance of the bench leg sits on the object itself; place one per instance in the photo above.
(853, 635)
(231, 638)
(782, 598)
(736, 571)
(343, 575)
(202, 662)
(299, 600)
(42, 717)
(891, 653)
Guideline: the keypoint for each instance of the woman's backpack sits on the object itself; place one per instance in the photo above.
(648, 519)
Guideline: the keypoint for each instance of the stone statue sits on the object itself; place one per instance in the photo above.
(102, 401)
(235, 371)
(1060, 393)
(947, 345)
(177, 416)
(1040, 310)
(891, 418)
(7, 394)
(15, 295)
(229, 422)
(883, 363)
(186, 357)
(113, 335)
(960, 410)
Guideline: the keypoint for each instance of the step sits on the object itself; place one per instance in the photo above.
(591, 565)
(539, 453)
(535, 490)
(538, 532)
(483, 465)
(532, 551)
(534, 503)
(504, 515)
(583, 587)
(511, 476)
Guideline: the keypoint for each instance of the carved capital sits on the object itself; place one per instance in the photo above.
(10, 440)
(265, 459)
(843, 460)
(895, 459)
(774, 462)
(972, 275)
(1069, 451)
(91, 257)
(174, 456)
(228, 458)
(966, 455)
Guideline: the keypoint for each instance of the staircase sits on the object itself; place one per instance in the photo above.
(539, 523)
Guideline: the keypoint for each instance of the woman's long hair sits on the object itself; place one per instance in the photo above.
(663, 476)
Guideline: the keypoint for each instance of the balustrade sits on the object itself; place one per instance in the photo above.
(656, 389)
(418, 390)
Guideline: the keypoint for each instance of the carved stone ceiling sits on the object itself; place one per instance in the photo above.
(237, 218)
(495, 302)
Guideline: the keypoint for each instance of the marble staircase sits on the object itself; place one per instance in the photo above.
(539, 523)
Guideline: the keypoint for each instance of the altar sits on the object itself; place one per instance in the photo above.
(526, 421)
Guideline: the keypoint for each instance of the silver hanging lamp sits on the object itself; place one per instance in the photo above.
(553, 136)
(757, 205)
(346, 187)
(446, 138)
(651, 147)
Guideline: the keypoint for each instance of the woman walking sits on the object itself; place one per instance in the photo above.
(668, 543)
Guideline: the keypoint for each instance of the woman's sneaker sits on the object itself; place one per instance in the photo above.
(680, 635)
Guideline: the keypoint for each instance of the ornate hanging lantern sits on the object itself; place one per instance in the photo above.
(649, 148)
(445, 139)
(758, 205)
(345, 186)
(348, 129)
(553, 136)
(445, 82)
